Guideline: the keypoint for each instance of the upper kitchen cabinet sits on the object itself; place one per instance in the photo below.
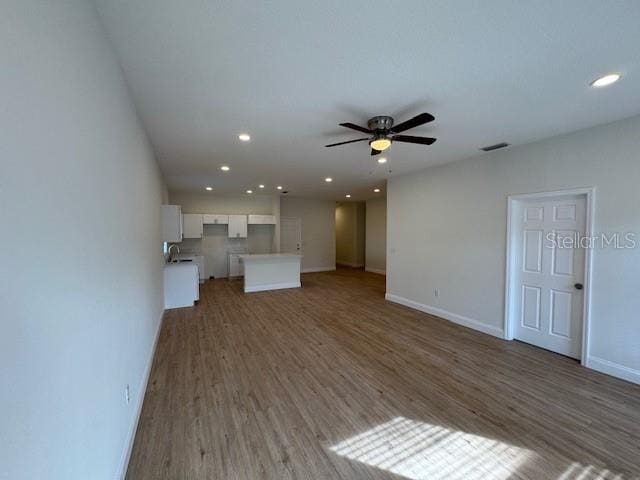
(171, 223)
(262, 219)
(192, 225)
(215, 219)
(237, 226)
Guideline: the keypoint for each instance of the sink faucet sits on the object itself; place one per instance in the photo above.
(169, 251)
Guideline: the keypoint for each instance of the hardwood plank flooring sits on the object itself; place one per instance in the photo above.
(330, 381)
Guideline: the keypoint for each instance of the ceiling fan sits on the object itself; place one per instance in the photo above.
(383, 132)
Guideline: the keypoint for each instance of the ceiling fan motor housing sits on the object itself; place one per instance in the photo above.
(381, 122)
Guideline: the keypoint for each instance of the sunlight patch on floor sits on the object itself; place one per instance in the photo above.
(417, 450)
(577, 471)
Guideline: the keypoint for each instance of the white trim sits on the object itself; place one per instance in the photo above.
(142, 390)
(452, 317)
(589, 193)
(349, 264)
(271, 286)
(375, 270)
(615, 369)
(318, 269)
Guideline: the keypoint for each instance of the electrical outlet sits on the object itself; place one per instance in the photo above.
(436, 292)
(127, 394)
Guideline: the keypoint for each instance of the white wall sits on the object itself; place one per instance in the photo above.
(447, 230)
(81, 273)
(350, 233)
(215, 242)
(318, 230)
(231, 204)
(376, 235)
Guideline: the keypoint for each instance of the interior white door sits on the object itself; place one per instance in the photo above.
(548, 273)
(290, 235)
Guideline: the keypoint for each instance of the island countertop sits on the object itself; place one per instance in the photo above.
(268, 256)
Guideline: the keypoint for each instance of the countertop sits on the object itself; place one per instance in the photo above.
(181, 265)
(268, 256)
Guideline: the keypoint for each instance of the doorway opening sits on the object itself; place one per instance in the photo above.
(350, 234)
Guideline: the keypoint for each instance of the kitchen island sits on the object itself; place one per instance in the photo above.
(271, 271)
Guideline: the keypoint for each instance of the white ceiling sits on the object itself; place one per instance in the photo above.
(289, 71)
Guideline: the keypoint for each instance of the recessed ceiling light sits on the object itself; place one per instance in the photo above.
(348, 196)
(245, 137)
(376, 190)
(606, 80)
(382, 160)
(249, 191)
(225, 168)
(279, 187)
(260, 186)
(208, 188)
(328, 179)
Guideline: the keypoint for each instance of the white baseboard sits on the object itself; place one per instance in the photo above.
(142, 389)
(375, 270)
(614, 369)
(319, 269)
(272, 286)
(348, 264)
(452, 317)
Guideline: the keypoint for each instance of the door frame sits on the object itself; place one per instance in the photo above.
(509, 307)
(299, 222)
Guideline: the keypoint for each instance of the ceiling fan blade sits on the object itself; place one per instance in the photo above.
(411, 139)
(375, 152)
(413, 122)
(353, 126)
(349, 141)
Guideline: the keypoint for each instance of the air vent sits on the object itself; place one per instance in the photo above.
(497, 146)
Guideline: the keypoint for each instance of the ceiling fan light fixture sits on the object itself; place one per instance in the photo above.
(380, 143)
(384, 131)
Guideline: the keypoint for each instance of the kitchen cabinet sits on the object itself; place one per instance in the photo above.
(237, 226)
(198, 260)
(191, 225)
(215, 219)
(262, 219)
(181, 287)
(171, 223)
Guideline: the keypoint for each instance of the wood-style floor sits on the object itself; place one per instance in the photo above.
(332, 382)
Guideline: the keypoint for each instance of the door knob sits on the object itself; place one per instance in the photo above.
(578, 286)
